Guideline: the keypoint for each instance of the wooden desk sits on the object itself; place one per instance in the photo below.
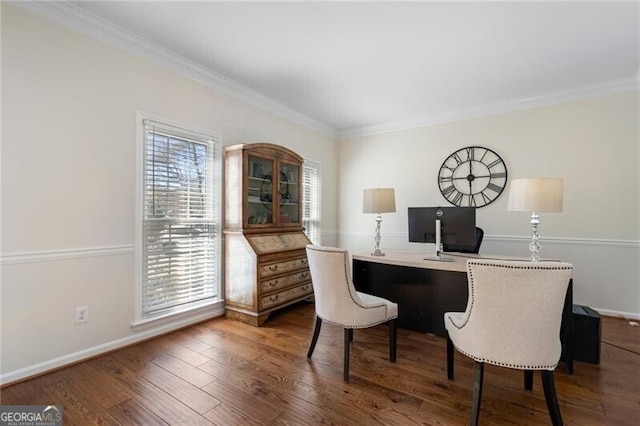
(424, 290)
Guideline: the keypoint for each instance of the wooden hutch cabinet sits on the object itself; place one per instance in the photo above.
(265, 259)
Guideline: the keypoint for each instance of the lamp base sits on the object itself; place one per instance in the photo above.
(534, 245)
(377, 251)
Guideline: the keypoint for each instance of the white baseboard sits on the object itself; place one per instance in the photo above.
(53, 364)
(624, 315)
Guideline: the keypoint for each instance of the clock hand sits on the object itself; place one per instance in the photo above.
(465, 177)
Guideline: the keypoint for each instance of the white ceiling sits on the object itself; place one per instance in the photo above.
(364, 66)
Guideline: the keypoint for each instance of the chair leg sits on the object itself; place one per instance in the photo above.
(528, 380)
(348, 336)
(314, 339)
(449, 358)
(392, 340)
(550, 396)
(477, 393)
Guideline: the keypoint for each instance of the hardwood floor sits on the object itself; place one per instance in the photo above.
(227, 373)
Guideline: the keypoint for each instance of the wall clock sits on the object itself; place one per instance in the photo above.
(472, 177)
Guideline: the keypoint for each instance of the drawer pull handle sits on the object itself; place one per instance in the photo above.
(273, 268)
(303, 262)
(305, 288)
(273, 298)
(273, 283)
(304, 275)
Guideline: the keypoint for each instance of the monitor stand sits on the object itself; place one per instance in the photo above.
(438, 257)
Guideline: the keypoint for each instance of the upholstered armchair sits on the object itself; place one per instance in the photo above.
(512, 320)
(337, 302)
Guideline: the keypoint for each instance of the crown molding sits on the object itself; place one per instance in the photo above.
(593, 90)
(76, 18)
(73, 17)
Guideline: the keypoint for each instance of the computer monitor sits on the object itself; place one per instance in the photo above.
(457, 226)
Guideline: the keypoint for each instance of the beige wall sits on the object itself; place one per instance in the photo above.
(69, 106)
(592, 144)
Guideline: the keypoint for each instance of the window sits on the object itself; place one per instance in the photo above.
(179, 249)
(311, 201)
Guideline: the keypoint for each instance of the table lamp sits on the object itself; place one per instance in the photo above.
(379, 200)
(535, 195)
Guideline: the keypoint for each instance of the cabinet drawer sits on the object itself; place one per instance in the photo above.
(285, 281)
(274, 268)
(286, 295)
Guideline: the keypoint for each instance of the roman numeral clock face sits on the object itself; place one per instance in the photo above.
(472, 177)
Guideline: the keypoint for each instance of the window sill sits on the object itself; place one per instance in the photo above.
(181, 318)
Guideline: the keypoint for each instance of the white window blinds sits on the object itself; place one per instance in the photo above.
(179, 241)
(311, 201)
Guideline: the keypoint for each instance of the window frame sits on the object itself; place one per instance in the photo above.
(316, 206)
(198, 310)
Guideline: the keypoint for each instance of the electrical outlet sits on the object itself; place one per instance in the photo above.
(82, 315)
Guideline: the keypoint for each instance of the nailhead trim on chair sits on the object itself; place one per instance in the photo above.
(504, 364)
(346, 273)
(532, 266)
(359, 325)
(471, 283)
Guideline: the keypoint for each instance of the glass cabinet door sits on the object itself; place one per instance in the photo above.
(289, 194)
(260, 191)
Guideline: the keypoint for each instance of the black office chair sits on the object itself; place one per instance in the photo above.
(466, 249)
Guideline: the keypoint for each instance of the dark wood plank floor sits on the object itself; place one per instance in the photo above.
(227, 373)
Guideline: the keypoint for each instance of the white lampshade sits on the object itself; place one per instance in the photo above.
(379, 200)
(536, 195)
